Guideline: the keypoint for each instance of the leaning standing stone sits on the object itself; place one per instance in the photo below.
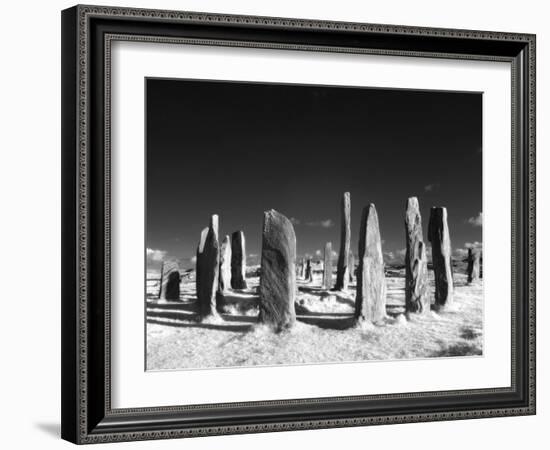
(342, 275)
(417, 299)
(208, 266)
(438, 234)
(238, 261)
(278, 280)
(474, 256)
(370, 299)
(327, 266)
(170, 281)
(225, 267)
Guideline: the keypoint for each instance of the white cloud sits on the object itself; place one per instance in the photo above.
(193, 259)
(318, 252)
(401, 252)
(461, 252)
(295, 221)
(475, 244)
(155, 254)
(327, 223)
(431, 187)
(476, 221)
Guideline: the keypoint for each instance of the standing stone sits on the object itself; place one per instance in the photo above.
(308, 273)
(327, 266)
(170, 281)
(474, 255)
(238, 261)
(342, 275)
(351, 266)
(370, 299)
(208, 266)
(278, 280)
(438, 234)
(225, 267)
(417, 299)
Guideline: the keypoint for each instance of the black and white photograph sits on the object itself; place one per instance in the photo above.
(296, 224)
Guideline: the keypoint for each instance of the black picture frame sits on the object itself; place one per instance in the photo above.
(87, 32)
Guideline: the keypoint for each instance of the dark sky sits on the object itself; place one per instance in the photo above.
(238, 149)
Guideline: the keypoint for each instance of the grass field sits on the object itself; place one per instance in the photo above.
(325, 330)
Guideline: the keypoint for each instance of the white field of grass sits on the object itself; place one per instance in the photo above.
(325, 331)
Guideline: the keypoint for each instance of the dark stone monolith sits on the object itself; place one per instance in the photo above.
(278, 267)
(225, 267)
(342, 274)
(170, 281)
(474, 256)
(238, 261)
(327, 266)
(308, 273)
(438, 234)
(417, 299)
(208, 266)
(370, 299)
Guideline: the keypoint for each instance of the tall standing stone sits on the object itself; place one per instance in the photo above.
(438, 234)
(208, 266)
(170, 281)
(370, 299)
(308, 273)
(342, 275)
(278, 280)
(417, 299)
(225, 267)
(351, 266)
(238, 261)
(474, 256)
(327, 266)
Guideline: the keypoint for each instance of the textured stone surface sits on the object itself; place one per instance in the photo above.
(342, 275)
(438, 234)
(238, 261)
(474, 256)
(327, 266)
(208, 266)
(278, 267)
(225, 266)
(170, 281)
(370, 299)
(417, 298)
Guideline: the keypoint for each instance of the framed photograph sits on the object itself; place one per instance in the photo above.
(278, 224)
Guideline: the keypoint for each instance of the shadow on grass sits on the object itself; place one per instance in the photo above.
(173, 306)
(460, 349)
(329, 322)
(394, 310)
(316, 290)
(469, 333)
(240, 328)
